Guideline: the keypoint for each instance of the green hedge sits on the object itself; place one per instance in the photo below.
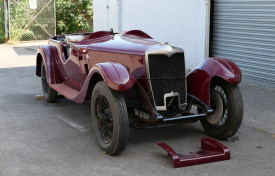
(2, 22)
(74, 16)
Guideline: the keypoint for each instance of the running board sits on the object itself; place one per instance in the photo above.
(211, 151)
(183, 117)
(65, 90)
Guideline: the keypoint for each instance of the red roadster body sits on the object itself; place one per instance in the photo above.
(133, 79)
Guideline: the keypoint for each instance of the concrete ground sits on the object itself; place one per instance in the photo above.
(37, 138)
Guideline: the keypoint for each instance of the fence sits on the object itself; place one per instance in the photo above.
(31, 19)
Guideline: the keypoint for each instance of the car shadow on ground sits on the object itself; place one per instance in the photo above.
(79, 116)
(23, 51)
(73, 115)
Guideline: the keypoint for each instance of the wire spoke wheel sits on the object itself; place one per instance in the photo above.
(45, 85)
(104, 119)
(109, 119)
(50, 94)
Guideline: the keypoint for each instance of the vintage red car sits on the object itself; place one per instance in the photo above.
(134, 80)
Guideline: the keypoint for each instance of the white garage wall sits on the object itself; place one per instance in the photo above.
(105, 14)
(182, 23)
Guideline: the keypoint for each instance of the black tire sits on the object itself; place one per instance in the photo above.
(50, 94)
(109, 119)
(227, 103)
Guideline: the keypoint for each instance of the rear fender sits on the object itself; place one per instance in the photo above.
(198, 81)
(49, 54)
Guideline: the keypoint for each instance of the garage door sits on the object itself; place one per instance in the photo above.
(244, 31)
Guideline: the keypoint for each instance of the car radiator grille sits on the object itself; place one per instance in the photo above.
(167, 75)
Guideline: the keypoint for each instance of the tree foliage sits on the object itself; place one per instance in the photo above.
(74, 16)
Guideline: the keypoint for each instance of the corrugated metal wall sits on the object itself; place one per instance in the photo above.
(244, 31)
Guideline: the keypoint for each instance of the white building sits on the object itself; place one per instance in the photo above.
(241, 30)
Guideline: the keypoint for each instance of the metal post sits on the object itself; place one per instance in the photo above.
(54, 8)
(6, 17)
(207, 36)
(9, 19)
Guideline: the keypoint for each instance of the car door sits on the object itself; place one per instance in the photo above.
(75, 68)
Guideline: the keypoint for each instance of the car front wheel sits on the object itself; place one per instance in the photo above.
(227, 103)
(109, 119)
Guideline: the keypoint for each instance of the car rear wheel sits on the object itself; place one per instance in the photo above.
(109, 119)
(227, 103)
(50, 94)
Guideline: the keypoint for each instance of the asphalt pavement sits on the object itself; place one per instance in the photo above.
(41, 139)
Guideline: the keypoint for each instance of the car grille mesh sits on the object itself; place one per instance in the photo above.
(167, 75)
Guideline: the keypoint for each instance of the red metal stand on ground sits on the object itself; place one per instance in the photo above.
(211, 151)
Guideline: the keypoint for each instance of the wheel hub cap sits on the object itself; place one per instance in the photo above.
(217, 106)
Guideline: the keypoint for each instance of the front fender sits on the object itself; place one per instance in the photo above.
(198, 81)
(115, 75)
